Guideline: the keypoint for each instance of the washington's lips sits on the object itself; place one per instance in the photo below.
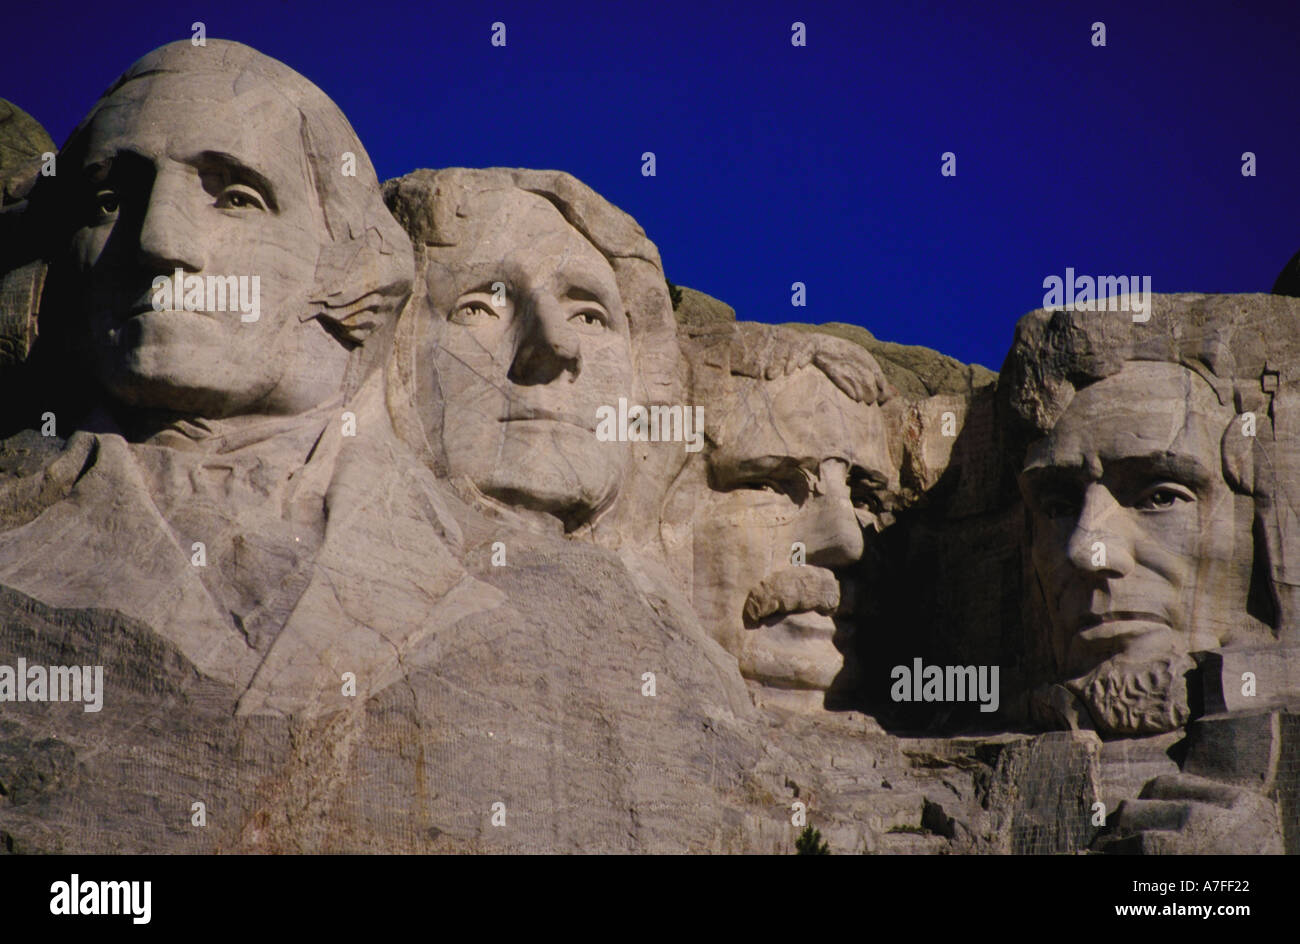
(516, 414)
(145, 308)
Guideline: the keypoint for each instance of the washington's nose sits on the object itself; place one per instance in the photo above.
(170, 238)
(1098, 542)
(547, 348)
(834, 536)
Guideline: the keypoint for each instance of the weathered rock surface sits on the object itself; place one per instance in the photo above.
(363, 574)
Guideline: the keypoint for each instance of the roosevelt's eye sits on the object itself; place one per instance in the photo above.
(240, 197)
(794, 483)
(865, 494)
(1163, 497)
(472, 312)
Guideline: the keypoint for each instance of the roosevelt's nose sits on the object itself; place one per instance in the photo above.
(832, 533)
(1099, 542)
(170, 236)
(547, 347)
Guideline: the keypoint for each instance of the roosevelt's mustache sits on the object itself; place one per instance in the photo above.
(793, 590)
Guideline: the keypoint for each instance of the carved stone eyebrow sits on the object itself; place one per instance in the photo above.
(580, 294)
(240, 171)
(1176, 467)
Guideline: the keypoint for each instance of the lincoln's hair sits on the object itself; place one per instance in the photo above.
(1232, 347)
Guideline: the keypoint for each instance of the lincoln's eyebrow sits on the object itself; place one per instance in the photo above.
(1172, 466)
(1044, 477)
(1180, 468)
(240, 171)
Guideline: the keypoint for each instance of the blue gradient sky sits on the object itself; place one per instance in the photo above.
(817, 164)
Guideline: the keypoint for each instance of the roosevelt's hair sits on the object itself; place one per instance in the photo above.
(717, 354)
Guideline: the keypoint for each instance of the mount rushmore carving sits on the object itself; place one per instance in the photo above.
(431, 517)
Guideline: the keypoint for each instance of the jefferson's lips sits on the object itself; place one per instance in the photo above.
(523, 413)
(1095, 627)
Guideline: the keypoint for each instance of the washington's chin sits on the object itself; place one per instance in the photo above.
(145, 385)
(793, 650)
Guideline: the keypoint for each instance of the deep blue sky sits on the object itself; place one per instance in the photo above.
(817, 164)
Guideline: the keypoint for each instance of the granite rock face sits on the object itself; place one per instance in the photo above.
(431, 517)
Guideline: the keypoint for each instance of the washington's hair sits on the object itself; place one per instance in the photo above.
(363, 271)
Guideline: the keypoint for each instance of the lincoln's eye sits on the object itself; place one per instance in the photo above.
(1058, 506)
(1164, 497)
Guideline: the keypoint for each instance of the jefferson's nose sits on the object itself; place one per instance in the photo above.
(547, 347)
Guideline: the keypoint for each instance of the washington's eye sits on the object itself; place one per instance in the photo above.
(473, 312)
(106, 203)
(1163, 497)
(240, 197)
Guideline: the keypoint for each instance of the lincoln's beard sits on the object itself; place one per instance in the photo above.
(1136, 697)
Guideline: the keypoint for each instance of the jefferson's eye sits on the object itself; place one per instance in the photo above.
(591, 318)
(472, 313)
(1163, 497)
(240, 197)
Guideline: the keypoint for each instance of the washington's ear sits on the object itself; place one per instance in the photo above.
(360, 285)
(20, 300)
